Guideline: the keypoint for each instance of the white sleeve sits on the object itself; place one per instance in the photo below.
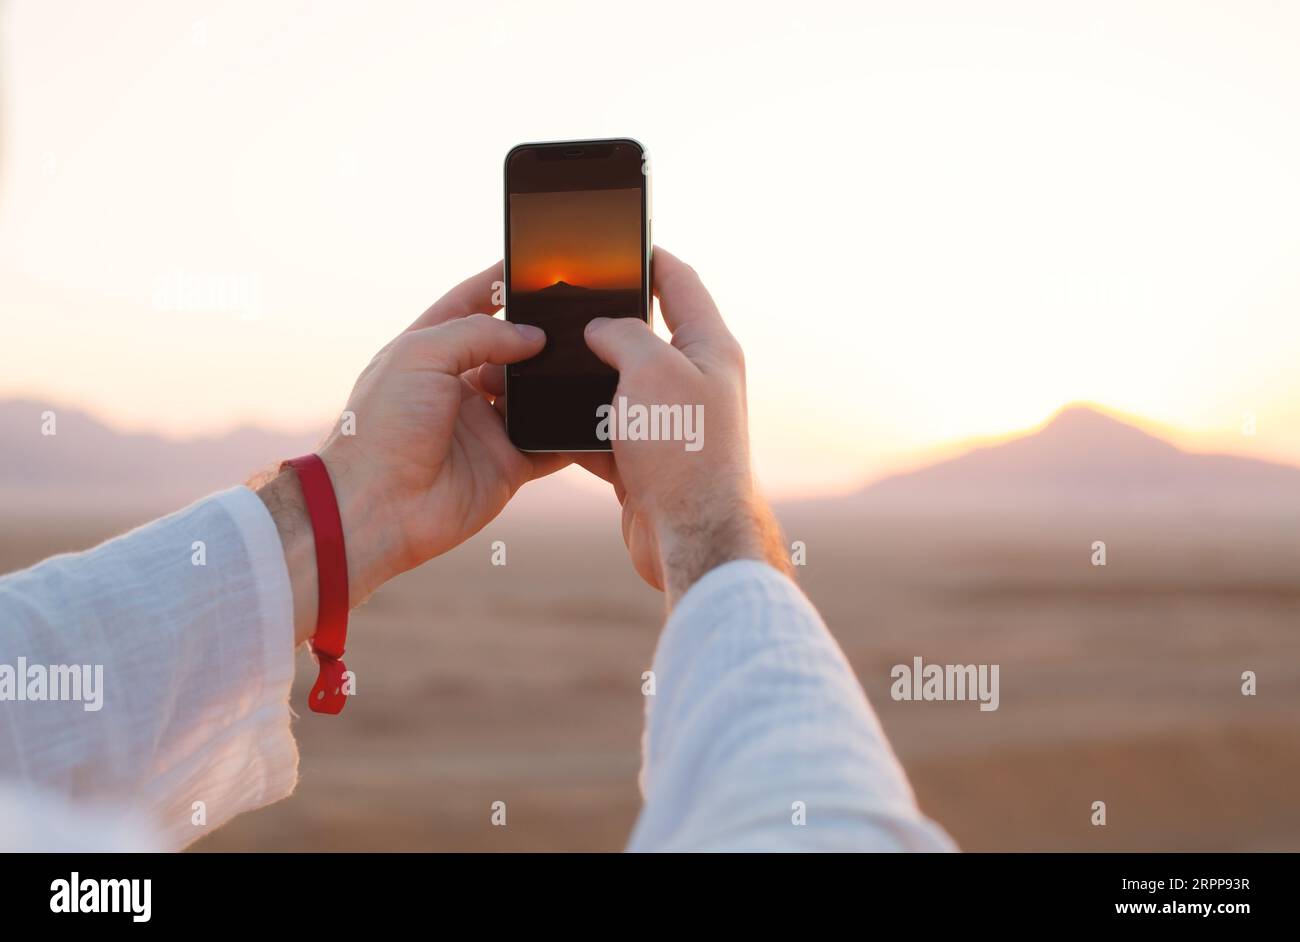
(758, 723)
(172, 649)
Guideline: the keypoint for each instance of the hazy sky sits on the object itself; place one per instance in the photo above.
(925, 221)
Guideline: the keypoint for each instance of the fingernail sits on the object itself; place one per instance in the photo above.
(530, 333)
(596, 323)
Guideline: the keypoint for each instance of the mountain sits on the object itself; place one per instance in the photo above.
(1086, 459)
(87, 465)
(562, 289)
(1082, 459)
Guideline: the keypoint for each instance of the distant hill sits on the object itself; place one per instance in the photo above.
(562, 289)
(1085, 459)
(88, 465)
(1082, 459)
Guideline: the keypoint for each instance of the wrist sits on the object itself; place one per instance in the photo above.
(363, 538)
(727, 524)
(283, 498)
(367, 534)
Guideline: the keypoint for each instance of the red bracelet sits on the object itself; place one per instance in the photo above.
(327, 644)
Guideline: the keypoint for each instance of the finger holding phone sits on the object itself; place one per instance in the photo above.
(684, 511)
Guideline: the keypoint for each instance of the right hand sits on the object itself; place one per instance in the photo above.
(428, 463)
(684, 512)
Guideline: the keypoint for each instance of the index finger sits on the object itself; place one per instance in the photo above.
(464, 343)
(478, 294)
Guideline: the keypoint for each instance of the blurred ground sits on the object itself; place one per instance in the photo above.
(522, 683)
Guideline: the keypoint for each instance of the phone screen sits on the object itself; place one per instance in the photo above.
(577, 247)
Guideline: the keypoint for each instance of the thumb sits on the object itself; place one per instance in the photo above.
(624, 342)
(467, 342)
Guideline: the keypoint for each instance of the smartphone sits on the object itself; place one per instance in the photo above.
(577, 226)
